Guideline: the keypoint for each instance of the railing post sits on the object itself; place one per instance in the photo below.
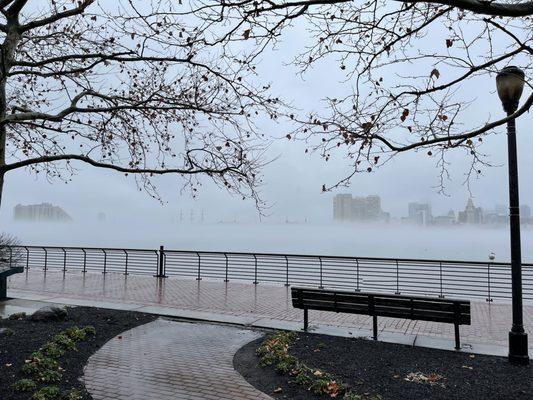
(357, 265)
(489, 298)
(105, 262)
(226, 278)
(10, 257)
(27, 257)
(161, 263)
(321, 286)
(199, 278)
(287, 271)
(45, 259)
(255, 270)
(64, 260)
(441, 295)
(397, 278)
(126, 265)
(84, 261)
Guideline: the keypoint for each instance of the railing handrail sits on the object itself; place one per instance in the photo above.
(441, 278)
(293, 255)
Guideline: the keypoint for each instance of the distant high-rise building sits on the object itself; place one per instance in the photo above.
(40, 212)
(471, 214)
(448, 219)
(348, 208)
(342, 207)
(420, 213)
(101, 216)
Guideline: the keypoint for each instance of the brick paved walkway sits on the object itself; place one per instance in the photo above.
(166, 360)
(260, 305)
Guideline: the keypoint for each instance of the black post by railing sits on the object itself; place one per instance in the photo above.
(489, 298)
(321, 285)
(287, 271)
(105, 262)
(357, 283)
(199, 278)
(397, 278)
(27, 257)
(45, 259)
(441, 295)
(126, 264)
(226, 276)
(161, 263)
(84, 261)
(255, 270)
(64, 260)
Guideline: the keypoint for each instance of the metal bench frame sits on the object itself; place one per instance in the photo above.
(4, 273)
(377, 305)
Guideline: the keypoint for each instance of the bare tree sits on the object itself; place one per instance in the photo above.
(124, 85)
(377, 45)
(11, 253)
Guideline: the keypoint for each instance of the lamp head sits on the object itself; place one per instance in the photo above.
(510, 84)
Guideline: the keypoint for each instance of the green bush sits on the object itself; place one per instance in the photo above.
(47, 393)
(275, 351)
(90, 330)
(64, 341)
(76, 333)
(23, 385)
(52, 349)
(36, 364)
(50, 376)
(18, 316)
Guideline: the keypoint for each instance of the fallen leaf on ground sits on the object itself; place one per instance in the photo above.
(278, 390)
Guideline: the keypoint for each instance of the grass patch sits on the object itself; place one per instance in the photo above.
(43, 367)
(274, 351)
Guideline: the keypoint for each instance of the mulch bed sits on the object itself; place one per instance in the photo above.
(29, 336)
(377, 368)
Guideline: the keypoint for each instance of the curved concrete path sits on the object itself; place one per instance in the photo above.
(171, 360)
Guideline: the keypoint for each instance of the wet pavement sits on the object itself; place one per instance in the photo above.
(260, 305)
(166, 360)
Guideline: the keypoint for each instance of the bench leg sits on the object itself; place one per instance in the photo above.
(306, 319)
(457, 338)
(375, 326)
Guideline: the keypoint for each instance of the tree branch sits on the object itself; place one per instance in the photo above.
(94, 163)
(56, 17)
(485, 7)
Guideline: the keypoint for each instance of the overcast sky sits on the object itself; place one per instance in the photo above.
(292, 184)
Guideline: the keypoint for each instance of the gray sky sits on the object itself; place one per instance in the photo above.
(293, 182)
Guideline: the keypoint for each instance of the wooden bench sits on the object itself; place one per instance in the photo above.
(4, 273)
(456, 312)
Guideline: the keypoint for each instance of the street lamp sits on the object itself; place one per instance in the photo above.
(510, 84)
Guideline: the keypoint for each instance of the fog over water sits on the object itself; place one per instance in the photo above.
(376, 240)
(292, 190)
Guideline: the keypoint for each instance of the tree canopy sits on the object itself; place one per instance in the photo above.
(410, 63)
(125, 86)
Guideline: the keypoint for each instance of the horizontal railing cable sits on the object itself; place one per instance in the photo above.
(439, 278)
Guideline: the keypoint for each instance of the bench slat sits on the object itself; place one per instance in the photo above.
(394, 306)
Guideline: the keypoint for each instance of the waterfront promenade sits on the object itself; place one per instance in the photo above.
(262, 306)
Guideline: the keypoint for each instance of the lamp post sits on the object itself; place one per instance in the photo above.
(510, 84)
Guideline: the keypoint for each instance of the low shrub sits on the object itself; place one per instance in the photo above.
(23, 385)
(18, 316)
(47, 393)
(275, 351)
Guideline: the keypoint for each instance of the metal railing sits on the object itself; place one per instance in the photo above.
(442, 278)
